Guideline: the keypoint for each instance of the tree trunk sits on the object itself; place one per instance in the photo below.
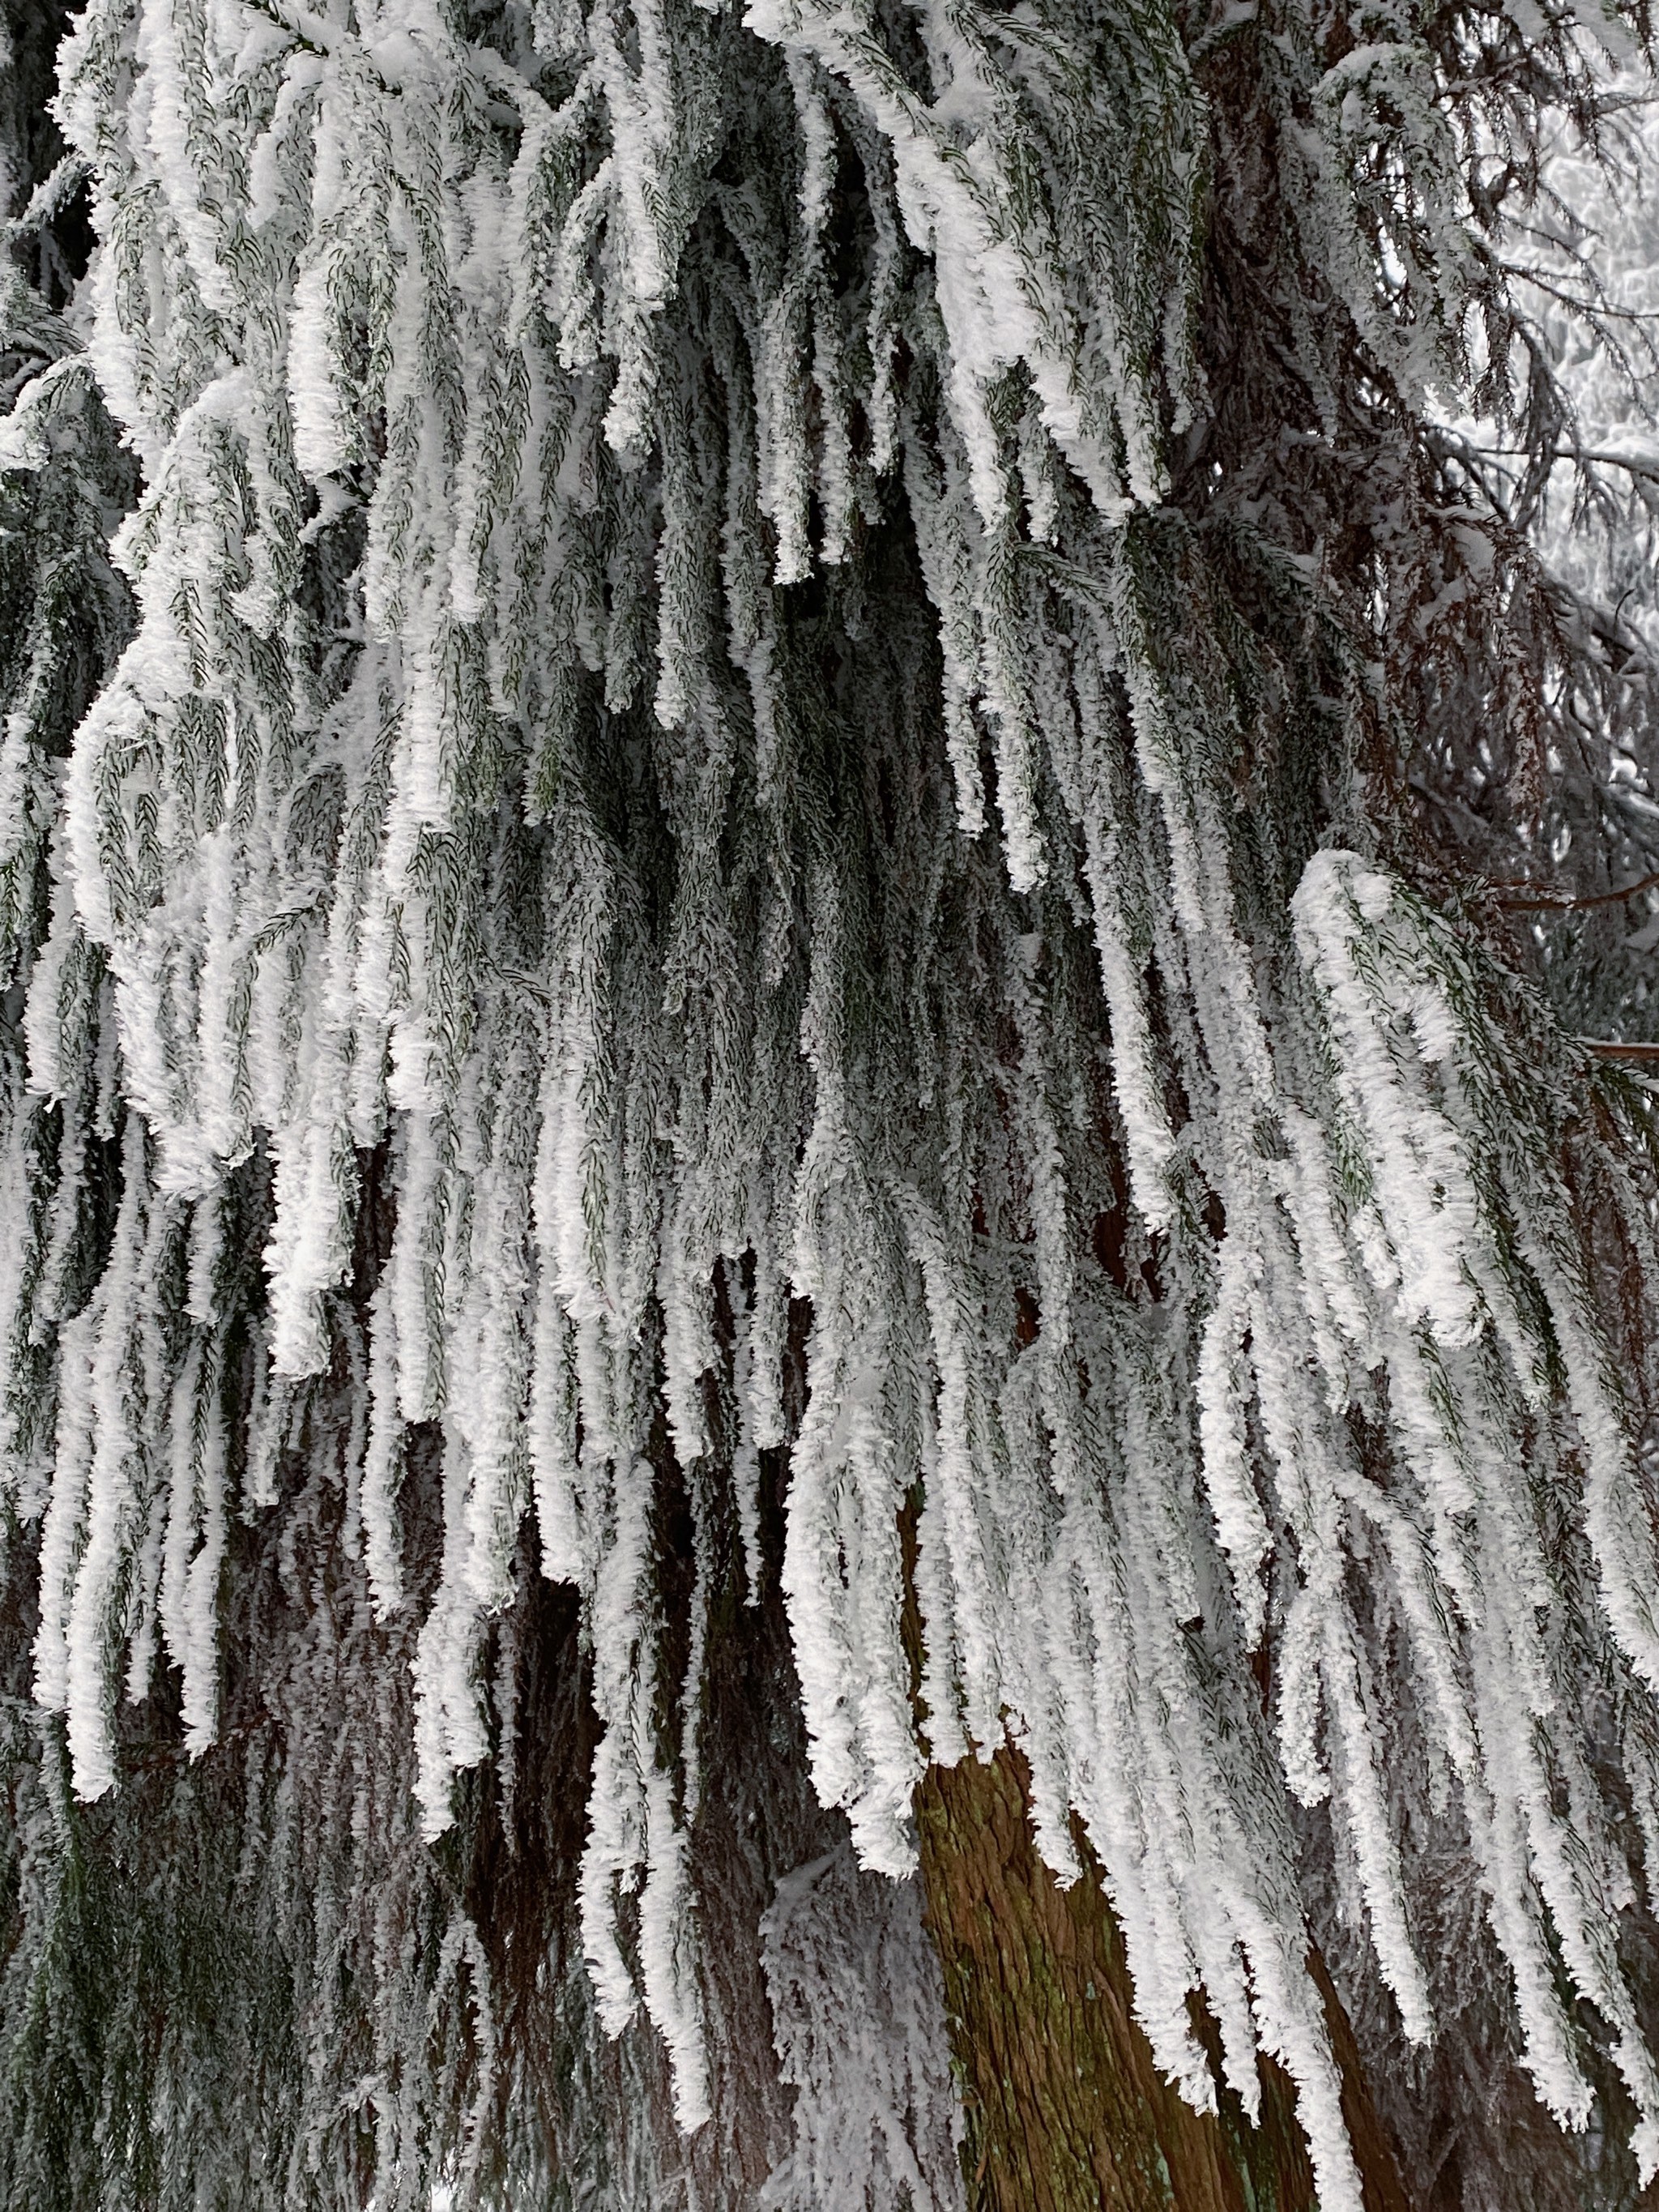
(1067, 2109)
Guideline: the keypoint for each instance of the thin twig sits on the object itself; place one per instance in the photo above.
(1562, 901)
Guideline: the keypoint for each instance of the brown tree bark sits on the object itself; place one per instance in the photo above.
(1067, 2109)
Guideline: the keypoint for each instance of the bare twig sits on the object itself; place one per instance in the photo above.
(1565, 902)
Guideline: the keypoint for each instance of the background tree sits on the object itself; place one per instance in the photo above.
(791, 1090)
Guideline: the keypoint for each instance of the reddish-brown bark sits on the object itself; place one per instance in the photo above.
(1067, 2110)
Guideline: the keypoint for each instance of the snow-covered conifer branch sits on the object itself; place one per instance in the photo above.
(748, 734)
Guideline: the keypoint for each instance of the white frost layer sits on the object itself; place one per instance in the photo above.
(858, 2013)
(1099, 1423)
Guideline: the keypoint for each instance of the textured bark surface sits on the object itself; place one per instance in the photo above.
(1067, 2109)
